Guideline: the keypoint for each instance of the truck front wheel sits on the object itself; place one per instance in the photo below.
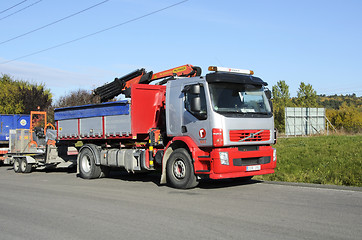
(87, 165)
(180, 170)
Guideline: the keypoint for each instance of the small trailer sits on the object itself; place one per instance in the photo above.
(36, 147)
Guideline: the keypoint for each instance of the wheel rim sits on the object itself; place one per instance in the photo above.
(23, 165)
(179, 169)
(16, 165)
(86, 164)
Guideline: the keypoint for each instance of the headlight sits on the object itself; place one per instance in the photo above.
(224, 158)
(274, 154)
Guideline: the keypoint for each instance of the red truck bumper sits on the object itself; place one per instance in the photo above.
(240, 174)
(237, 162)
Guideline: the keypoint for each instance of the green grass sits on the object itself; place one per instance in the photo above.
(333, 160)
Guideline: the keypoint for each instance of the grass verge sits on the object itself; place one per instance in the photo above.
(333, 160)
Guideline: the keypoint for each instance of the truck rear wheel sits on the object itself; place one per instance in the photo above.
(87, 164)
(180, 170)
(16, 165)
(25, 167)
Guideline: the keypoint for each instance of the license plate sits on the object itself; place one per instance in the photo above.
(253, 168)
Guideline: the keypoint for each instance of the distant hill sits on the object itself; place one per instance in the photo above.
(336, 101)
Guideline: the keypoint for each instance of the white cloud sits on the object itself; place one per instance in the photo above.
(57, 80)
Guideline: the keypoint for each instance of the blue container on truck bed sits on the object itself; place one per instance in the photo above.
(12, 121)
(93, 121)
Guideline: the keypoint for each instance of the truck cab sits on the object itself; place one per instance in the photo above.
(226, 120)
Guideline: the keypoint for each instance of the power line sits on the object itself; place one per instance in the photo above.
(12, 6)
(95, 33)
(20, 10)
(52, 23)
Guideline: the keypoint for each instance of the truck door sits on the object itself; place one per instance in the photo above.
(195, 122)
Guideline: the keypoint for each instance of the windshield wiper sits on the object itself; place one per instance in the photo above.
(263, 113)
(236, 111)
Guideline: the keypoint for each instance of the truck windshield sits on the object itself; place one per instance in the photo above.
(239, 98)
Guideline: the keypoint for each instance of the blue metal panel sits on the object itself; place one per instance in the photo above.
(92, 110)
(12, 121)
(22, 121)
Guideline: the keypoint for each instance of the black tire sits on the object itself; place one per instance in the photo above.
(25, 167)
(180, 170)
(87, 164)
(105, 171)
(16, 165)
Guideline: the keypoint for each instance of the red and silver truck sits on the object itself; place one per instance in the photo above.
(188, 126)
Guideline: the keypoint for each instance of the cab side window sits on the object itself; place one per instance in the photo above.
(190, 97)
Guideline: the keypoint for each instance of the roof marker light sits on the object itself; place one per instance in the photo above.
(234, 70)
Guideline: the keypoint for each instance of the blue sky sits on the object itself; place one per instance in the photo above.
(317, 42)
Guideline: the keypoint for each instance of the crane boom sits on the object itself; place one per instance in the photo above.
(120, 85)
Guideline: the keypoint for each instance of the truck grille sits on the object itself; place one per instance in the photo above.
(251, 161)
(249, 135)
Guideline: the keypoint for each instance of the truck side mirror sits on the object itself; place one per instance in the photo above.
(195, 89)
(268, 94)
(196, 104)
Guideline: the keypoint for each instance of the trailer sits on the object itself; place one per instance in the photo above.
(36, 147)
(187, 126)
(8, 122)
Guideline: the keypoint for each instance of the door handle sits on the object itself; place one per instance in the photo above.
(183, 129)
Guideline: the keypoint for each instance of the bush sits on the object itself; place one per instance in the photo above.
(346, 118)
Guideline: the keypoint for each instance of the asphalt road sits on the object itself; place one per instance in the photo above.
(59, 205)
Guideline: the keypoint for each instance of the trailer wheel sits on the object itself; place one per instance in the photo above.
(180, 170)
(25, 167)
(87, 165)
(16, 165)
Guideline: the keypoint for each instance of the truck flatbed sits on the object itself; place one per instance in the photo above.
(112, 120)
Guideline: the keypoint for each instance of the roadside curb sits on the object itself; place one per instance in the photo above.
(311, 185)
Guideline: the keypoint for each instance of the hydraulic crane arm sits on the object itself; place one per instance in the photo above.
(182, 71)
(120, 85)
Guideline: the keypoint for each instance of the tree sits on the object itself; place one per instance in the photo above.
(76, 98)
(34, 96)
(20, 97)
(281, 100)
(10, 103)
(281, 94)
(306, 96)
